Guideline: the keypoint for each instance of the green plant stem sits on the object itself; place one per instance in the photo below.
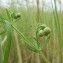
(38, 12)
(37, 58)
(18, 48)
(2, 43)
(19, 32)
(57, 29)
(9, 41)
(32, 57)
(42, 55)
(37, 38)
(0, 51)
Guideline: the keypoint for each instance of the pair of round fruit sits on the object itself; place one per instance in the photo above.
(17, 16)
(43, 30)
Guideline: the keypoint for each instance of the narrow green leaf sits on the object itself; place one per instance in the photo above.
(0, 51)
(43, 56)
(46, 42)
(9, 38)
(31, 46)
(8, 14)
(2, 18)
(13, 14)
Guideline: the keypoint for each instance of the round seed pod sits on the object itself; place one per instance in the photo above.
(40, 33)
(42, 26)
(17, 16)
(47, 31)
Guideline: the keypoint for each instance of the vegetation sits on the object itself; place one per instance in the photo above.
(31, 35)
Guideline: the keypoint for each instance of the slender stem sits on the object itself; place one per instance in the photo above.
(42, 55)
(19, 32)
(37, 58)
(0, 51)
(37, 55)
(18, 48)
(37, 38)
(38, 11)
(3, 41)
(58, 32)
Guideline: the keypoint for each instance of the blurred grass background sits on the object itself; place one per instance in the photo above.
(30, 16)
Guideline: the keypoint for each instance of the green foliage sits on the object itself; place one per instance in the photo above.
(8, 14)
(25, 27)
(18, 15)
(34, 46)
(42, 30)
(9, 39)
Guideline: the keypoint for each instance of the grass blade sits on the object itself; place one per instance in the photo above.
(42, 55)
(0, 51)
(46, 42)
(8, 14)
(8, 29)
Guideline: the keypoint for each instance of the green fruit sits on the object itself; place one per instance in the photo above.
(17, 16)
(40, 33)
(47, 31)
(42, 26)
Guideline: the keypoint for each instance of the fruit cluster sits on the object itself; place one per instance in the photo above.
(43, 30)
(17, 16)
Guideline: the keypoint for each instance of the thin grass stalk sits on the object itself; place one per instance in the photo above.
(38, 11)
(24, 56)
(47, 47)
(49, 44)
(57, 22)
(32, 57)
(18, 48)
(61, 29)
(60, 2)
(0, 51)
(43, 11)
(37, 55)
(42, 55)
(9, 41)
(54, 45)
(45, 21)
(25, 29)
(58, 31)
(47, 51)
(19, 32)
(54, 17)
(54, 29)
(37, 58)
(58, 25)
(3, 41)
